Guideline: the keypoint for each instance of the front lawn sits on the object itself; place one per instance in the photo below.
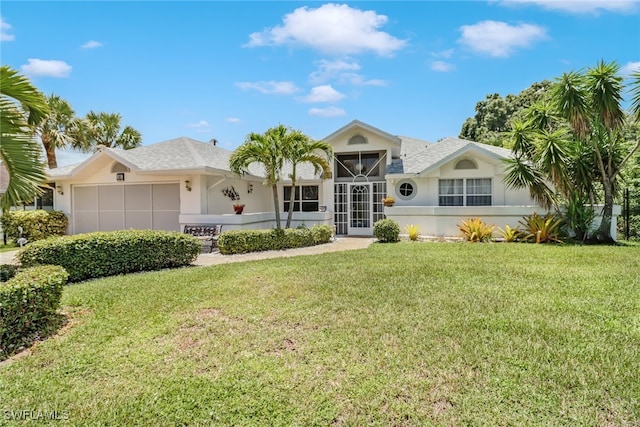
(398, 334)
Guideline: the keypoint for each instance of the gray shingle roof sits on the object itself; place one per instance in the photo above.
(418, 156)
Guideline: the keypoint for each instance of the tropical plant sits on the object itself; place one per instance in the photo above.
(105, 129)
(510, 234)
(591, 102)
(265, 149)
(578, 216)
(592, 149)
(413, 231)
(59, 129)
(299, 148)
(22, 107)
(476, 230)
(542, 229)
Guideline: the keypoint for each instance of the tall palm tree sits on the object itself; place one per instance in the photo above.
(268, 150)
(105, 129)
(591, 102)
(301, 149)
(59, 129)
(22, 107)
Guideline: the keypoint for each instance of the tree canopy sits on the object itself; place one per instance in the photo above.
(494, 114)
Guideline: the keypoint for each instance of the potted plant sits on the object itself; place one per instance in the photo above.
(388, 201)
(238, 208)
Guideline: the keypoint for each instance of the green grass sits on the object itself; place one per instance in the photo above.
(10, 246)
(398, 334)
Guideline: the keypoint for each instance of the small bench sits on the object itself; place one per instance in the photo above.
(206, 233)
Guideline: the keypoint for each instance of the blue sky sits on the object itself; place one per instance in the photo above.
(210, 69)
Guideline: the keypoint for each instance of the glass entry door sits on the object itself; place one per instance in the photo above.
(360, 209)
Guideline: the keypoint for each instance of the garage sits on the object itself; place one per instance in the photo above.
(125, 206)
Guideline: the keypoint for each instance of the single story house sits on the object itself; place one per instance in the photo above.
(183, 181)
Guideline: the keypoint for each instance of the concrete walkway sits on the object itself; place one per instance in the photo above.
(215, 258)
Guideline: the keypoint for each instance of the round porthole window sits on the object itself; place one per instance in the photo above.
(406, 190)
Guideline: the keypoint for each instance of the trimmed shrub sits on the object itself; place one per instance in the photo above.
(28, 306)
(245, 241)
(386, 231)
(36, 225)
(100, 254)
(7, 271)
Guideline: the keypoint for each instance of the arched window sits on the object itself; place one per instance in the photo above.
(119, 167)
(357, 139)
(466, 164)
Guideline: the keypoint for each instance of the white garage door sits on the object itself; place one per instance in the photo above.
(120, 207)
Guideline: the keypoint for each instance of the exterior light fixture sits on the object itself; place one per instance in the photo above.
(59, 190)
(120, 176)
(250, 188)
(187, 185)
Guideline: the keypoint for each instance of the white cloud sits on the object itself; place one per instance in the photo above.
(342, 71)
(442, 66)
(629, 68)
(270, 87)
(331, 29)
(580, 6)
(327, 112)
(91, 44)
(4, 31)
(232, 120)
(359, 80)
(201, 127)
(46, 68)
(499, 39)
(324, 93)
(443, 54)
(330, 70)
(200, 124)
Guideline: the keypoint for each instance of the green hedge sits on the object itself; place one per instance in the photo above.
(36, 225)
(91, 255)
(28, 306)
(386, 231)
(245, 241)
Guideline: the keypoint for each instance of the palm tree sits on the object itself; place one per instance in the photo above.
(268, 150)
(591, 102)
(104, 129)
(22, 107)
(588, 148)
(59, 129)
(301, 149)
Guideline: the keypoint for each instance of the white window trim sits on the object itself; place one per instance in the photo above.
(464, 194)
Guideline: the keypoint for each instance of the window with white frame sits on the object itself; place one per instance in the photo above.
(306, 198)
(464, 192)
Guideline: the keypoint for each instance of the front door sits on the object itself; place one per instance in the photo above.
(360, 209)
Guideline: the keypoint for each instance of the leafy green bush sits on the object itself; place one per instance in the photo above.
(476, 230)
(386, 231)
(28, 306)
(91, 255)
(36, 225)
(542, 229)
(245, 241)
(7, 271)
(578, 217)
